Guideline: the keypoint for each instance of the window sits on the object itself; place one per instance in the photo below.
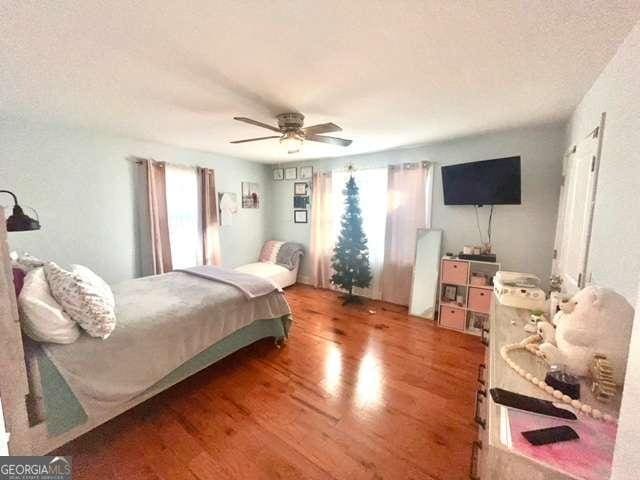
(183, 214)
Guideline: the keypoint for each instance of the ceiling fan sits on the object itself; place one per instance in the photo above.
(293, 134)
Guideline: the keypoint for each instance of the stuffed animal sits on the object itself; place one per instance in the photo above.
(595, 321)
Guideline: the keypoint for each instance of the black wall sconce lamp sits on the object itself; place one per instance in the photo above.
(20, 221)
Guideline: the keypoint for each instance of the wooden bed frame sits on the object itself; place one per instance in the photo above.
(20, 387)
(14, 384)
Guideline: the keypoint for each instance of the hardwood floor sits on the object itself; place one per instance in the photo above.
(352, 395)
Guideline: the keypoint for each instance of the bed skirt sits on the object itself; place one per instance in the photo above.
(64, 412)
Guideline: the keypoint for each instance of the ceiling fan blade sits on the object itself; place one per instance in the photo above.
(255, 139)
(322, 128)
(332, 140)
(256, 123)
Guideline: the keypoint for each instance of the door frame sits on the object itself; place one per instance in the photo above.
(584, 275)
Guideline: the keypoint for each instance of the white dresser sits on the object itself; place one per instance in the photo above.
(491, 460)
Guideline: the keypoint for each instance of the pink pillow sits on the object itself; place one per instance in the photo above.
(18, 280)
(270, 251)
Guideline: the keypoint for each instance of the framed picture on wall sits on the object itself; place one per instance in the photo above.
(291, 173)
(300, 216)
(278, 173)
(306, 173)
(300, 201)
(300, 188)
(250, 195)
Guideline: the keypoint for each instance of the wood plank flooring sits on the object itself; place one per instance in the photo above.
(353, 395)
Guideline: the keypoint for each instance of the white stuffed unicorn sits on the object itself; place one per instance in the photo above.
(595, 320)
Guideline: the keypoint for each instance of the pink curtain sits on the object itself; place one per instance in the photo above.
(210, 221)
(158, 221)
(321, 247)
(406, 213)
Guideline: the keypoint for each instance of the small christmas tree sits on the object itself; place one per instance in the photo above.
(350, 259)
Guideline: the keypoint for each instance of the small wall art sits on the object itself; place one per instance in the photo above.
(278, 173)
(300, 216)
(250, 195)
(291, 173)
(306, 173)
(300, 188)
(228, 205)
(300, 201)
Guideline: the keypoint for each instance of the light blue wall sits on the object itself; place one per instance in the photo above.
(522, 234)
(613, 252)
(81, 184)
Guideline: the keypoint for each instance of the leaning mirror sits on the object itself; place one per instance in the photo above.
(425, 273)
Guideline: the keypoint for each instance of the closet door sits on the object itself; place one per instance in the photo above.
(575, 214)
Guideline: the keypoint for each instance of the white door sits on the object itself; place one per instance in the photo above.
(562, 207)
(575, 214)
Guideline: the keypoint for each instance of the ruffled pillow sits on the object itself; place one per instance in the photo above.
(84, 300)
(90, 277)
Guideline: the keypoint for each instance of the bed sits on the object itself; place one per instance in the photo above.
(169, 327)
(279, 262)
(278, 274)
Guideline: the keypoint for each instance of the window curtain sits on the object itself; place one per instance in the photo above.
(322, 239)
(209, 217)
(408, 209)
(156, 216)
(372, 183)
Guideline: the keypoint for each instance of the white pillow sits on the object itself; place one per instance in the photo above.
(90, 277)
(42, 318)
(82, 300)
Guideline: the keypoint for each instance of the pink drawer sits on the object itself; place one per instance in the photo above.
(452, 317)
(480, 299)
(455, 272)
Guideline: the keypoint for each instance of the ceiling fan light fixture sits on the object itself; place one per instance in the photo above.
(292, 141)
(292, 133)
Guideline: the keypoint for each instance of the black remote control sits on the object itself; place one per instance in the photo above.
(530, 404)
(545, 436)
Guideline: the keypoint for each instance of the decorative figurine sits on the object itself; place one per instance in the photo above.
(535, 317)
(603, 386)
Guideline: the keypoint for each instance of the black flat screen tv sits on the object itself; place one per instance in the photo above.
(489, 182)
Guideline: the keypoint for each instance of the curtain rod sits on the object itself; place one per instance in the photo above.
(141, 160)
(406, 165)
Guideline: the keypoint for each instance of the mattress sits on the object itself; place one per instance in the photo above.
(278, 274)
(163, 322)
(64, 412)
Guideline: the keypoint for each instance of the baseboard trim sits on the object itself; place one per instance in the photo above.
(305, 280)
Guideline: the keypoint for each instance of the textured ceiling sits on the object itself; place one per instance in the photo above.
(390, 73)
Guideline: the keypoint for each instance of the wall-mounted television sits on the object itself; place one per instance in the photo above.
(489, 182)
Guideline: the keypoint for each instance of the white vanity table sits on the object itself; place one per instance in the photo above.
(491, 460)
